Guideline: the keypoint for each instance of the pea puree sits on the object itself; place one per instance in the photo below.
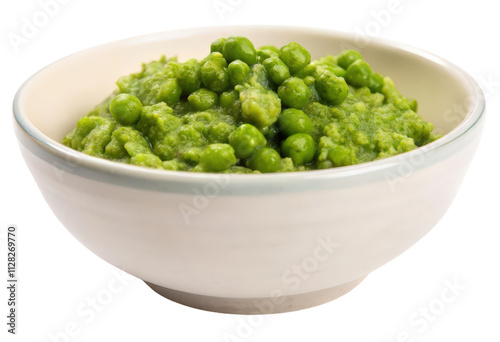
(247, 110)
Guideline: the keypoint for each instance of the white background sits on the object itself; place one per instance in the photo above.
(57, 274)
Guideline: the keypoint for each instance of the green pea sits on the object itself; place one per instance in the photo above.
(205, 117)
(292, 121)
(264, 54)
(174, 165)
(218, 59)
(276, 69)
(192, 155)
(219, 132)
(245, 140)
(204, 60)
(338, 71)
(231, 104)
(238, 72)
(146, 160)
(308, 80)
(332, 89)
(189, 76)
(217, 45)
(237, 47)
(294, 93)
(295, 56)
(308, 70)
(170, 92)
(347, 57)
(217, 157)
(358, 73)
(300, 147)
(341, 156)
(376, 82)
(171, 68)
(214, 73)
(265, 160)
(270, 47)
(228, 98)
(126, 109)
(193, 134)
(413, 104)
(203, 99)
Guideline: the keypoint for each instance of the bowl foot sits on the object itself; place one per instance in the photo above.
(256, 306)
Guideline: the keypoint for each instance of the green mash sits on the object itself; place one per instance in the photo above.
(242, 110)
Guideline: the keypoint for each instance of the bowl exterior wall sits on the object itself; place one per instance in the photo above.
(208, 242)
(236, 237)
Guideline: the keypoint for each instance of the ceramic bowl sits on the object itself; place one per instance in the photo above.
(247, 244)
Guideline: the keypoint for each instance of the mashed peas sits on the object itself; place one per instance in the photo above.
(247, 110)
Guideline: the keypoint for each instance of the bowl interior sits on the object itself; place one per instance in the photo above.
(65, 91)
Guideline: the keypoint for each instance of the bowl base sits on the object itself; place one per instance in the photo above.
(256, 306)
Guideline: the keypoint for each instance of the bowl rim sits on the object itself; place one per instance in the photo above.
(99, 165)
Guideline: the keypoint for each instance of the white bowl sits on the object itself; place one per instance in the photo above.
(247, 243)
